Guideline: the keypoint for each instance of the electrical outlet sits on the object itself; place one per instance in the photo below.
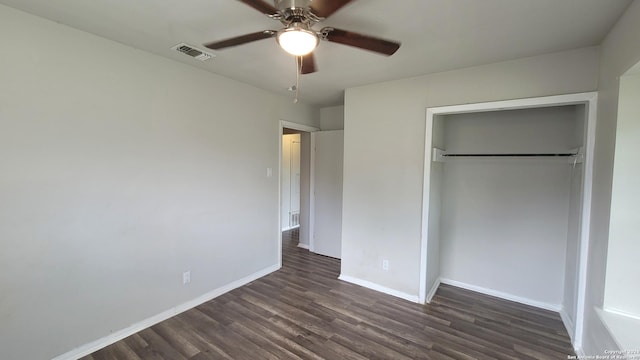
(385, 265)
(186, 277)
(269, 172)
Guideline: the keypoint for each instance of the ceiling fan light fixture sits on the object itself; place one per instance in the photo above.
(297, 40)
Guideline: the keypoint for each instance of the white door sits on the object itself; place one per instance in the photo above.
(290, 185)
(294, 220)
(327, 177)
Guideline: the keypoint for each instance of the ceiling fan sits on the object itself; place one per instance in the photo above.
(298, 37)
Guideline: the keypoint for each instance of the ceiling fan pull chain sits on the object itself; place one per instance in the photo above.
(298, 70)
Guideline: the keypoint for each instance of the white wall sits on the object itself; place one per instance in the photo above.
(118, 174)
(623, 268)
(504, 221)
(504, 227)
(540, 130)
(384, 150)
(332, 118)
(620, 50)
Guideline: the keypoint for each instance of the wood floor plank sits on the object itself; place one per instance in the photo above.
(279, 336)
(303, 311)
(173, 335)
(135, 343)
(208, 348)
(447, 335)
(159, 346)
(389, 339)
(348, 336)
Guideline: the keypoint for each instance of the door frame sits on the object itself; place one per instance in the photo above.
(300, 127)
(589, 99)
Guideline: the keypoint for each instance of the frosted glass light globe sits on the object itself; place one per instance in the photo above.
(297, 41)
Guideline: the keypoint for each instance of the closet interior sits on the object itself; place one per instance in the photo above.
(505, 203)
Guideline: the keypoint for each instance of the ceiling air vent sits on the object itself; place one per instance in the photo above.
(193, 52)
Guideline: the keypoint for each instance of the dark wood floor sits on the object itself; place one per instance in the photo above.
(303, 312)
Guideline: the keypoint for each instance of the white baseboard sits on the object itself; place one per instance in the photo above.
(433, 290)
(304, 246)
(380, 288)
(87, 349)
(502, 295)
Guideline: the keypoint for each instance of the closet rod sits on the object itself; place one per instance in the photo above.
(513, 155)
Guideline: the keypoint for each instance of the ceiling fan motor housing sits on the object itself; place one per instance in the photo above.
(291, 4)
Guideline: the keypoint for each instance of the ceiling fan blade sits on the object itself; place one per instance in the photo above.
(261, 6)
(239, 40)
(366, 42)
(325, 8)
(308, 64)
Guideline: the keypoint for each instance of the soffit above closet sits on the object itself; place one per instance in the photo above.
(553, 129)
(436, 35)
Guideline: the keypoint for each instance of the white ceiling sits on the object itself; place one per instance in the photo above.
(436, 35)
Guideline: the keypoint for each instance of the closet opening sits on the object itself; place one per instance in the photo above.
(506, 201)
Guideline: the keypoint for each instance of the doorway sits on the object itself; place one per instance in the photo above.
(295, 200)
(310, 210)
(294, 176)
(290, 179)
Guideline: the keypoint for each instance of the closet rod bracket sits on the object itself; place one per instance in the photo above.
(438, 155)
(576, 159)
